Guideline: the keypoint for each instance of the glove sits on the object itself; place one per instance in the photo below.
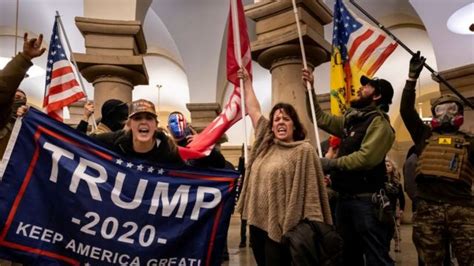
(416, 65)
(327, 164)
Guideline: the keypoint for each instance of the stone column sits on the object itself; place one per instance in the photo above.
(117, 9)
(113, 61)
(278, 50)
(202, 114)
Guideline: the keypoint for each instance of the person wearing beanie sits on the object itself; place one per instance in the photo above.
(114, 117)
(358, 173)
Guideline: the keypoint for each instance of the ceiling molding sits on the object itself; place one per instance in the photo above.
(156, 51)
(400, 20)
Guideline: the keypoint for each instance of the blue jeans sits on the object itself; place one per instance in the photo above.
(363, 234)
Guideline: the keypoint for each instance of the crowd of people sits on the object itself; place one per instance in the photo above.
(355, 186)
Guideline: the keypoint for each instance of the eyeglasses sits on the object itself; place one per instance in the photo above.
(446, 108)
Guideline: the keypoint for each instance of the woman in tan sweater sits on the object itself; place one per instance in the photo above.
(284, 180)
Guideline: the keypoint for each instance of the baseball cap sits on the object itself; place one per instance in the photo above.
(380, 85)
(141, 106)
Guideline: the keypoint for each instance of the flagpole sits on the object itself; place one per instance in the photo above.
(435, 73)
(236, 35)
(16, 27)
(71, 55)
(308, 85)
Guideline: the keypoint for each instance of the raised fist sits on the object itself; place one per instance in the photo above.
(416, 65)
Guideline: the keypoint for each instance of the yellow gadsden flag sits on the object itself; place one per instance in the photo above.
(358, 48)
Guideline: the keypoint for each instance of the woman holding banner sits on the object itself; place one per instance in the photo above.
(144, 139)
(284, 182)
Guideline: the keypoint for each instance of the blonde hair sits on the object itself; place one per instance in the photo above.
(394, 176)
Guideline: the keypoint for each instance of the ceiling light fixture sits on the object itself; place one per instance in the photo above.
(461, 21)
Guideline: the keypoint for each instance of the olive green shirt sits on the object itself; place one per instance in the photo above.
(377, 142)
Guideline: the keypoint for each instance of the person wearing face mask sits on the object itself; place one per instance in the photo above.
(283, 183)
(19, 102)
(10, 78)
(179, 128)
(183, 133)
(358, 173)
(143, 139)
(444, 175)
(11, 98)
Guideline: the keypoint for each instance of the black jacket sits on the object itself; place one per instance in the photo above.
(314, 243)
(166, 152)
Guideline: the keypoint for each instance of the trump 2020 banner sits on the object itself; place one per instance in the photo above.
(65, 200)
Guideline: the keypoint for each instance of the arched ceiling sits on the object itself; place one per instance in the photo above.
(186, 38)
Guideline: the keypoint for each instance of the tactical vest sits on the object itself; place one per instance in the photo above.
(363, 181)
(446, 157)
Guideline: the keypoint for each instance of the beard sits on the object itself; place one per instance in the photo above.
(361, 102)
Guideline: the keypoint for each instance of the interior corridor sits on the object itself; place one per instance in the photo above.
(244, 257)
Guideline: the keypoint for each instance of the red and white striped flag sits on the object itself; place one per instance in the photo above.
(358, 48)
(203, 143)
(62, 88)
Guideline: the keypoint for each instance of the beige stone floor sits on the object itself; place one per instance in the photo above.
(244, 257)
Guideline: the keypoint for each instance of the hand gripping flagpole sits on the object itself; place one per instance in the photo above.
(308, 85)
(435, 73)
(236, 35)
(71, 55)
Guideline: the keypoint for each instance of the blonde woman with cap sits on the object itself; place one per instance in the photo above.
(143, 139)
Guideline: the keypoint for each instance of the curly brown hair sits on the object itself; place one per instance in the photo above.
(299, 133)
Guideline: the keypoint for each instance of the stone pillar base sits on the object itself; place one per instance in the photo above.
(113, 62)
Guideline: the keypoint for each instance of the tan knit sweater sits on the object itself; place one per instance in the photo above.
(283, 184)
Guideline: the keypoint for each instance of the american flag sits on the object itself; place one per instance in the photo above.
(62, 88)
(203, 143)
(358, 49)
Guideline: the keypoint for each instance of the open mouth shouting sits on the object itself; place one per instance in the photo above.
(281, 130)
(143, 130)
(282, 126)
